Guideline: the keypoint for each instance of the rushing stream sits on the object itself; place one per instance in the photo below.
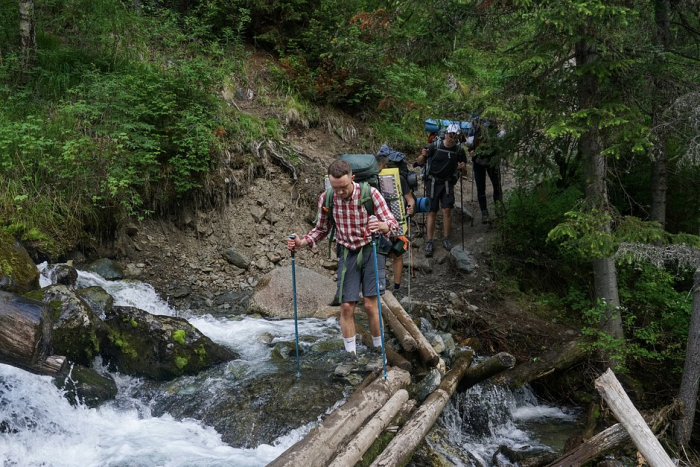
(38, 426)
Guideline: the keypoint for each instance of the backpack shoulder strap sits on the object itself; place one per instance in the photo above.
(366, 197)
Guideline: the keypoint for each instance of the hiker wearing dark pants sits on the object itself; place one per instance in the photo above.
(494, 173)
(486, 161)
(443, 159)
(353, 233)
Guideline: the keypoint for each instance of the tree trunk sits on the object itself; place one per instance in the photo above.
(558, 359)
(612, 438)
(659, 176)
(425, 350)
(605, 274)
(491, 366)
(318, 447)
(27, 33)
(688, 393)
(408, 343)
(25, 335)
(354, 451)
(611, 391)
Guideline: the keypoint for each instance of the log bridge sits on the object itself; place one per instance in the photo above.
(347, 433)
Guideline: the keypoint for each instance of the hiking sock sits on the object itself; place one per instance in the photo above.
(396, 287)
(350, 345)
(377, 341)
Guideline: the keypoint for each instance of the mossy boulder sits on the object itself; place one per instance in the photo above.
(18, 273)
(74, 331)
(159, 347)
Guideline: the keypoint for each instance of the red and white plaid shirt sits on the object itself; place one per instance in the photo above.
(351, 219)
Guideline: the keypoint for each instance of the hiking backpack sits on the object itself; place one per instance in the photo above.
(398, 160)
(366, 171)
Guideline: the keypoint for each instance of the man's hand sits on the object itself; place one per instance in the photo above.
(295, 242)
(461, 165)
(374, 225)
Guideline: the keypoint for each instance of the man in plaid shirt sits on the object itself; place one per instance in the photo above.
(354, 228)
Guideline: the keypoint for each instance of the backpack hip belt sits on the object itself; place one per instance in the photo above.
(432, 180)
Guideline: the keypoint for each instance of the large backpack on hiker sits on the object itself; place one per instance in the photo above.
(436, 128)
(367, 174)
(398, 160)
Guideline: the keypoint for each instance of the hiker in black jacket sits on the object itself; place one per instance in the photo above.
(443, 159)
(486, 161)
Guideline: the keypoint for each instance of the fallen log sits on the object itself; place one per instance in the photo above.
(408, 343)
(393, 358)
(614, 395)
(321, 443)
(614, 437)
(484, 370)
(425, 350)
(354, 451)
(406, 441)
(558, 359)
(25, 335)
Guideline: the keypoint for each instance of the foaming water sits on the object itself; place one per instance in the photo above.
(38, 427)
(486, 417)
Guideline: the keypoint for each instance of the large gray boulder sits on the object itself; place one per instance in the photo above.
(155, 346)
(18, 273)
(273, 295)
(75, 325)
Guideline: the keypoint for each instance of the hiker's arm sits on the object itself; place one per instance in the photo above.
(423, 154)
(321, 228)
(408, 197)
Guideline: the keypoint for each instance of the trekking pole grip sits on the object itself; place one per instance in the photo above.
(292, 251)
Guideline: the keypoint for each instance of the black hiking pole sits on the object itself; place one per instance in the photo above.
(294, 298)
(379, 298)
(461, 203)
(410, 264)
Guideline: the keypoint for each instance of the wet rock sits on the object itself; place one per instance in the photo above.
(97, 299)
(250, 413)
(157, 347)
(75, 325)
(63, 274)
(426, 386)
(86, 386)
(107, 269)
(273, 294)
(18, 273)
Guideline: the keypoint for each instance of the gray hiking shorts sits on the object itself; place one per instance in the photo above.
(360, 279)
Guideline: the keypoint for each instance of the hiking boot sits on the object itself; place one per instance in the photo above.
(374, 358)
(428, 248)
(447, 244)
(348, 365)
(397, 294)
(484, 216)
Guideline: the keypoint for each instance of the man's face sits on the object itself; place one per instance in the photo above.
(450, 139)
(342, 186)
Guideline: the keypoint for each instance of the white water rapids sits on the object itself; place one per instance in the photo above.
(45, 430)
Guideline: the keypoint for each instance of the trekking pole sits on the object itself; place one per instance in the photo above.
(294, 298)
(379, 298)
(410, 265)
(461, 203)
